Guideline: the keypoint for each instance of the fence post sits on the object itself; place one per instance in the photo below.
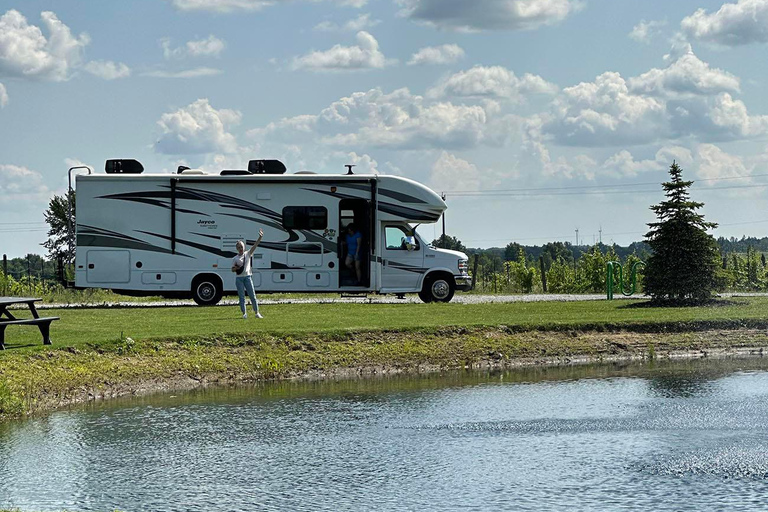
(29, 274)
(543, 274)
(5, 274)
(474, 273)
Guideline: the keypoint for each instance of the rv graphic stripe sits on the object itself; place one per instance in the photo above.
(400, 211)
(201, 247)
(89, 236)
(400, 196)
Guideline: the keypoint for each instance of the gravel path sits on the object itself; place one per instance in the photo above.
(371, 299)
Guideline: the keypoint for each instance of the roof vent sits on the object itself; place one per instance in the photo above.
(123, 166)
(234, 172)
(266, 167)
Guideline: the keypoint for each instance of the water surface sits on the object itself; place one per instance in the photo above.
(684, 436)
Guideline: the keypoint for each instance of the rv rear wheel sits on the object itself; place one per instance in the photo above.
(207, 290)
(439, 288)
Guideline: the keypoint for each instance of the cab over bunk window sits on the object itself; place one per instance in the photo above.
(305, 217)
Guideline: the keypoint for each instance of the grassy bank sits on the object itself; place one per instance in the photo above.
(95, 326)
(110, 352)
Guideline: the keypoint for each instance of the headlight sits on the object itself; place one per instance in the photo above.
(463, 266)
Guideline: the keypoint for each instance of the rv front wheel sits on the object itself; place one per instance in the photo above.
(438, 289)
(206, 290)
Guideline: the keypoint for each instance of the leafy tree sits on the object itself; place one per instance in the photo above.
(561, 277)
(685, 257)
(59, 235)
(523, 275)
(512, 251)
(449, 242)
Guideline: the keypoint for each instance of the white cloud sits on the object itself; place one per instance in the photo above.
(212, 46)
(366, 55)
(743, 22)
(718, 118)
(452, 173)
(197, 128)
(364, 164)
(623, 164)
(26, 53)
(107, 70)
(645, 31)
(687, 74)
(354, 25)
(443, 54)
(398, 120)
(688, 98)
(186, 73)
(20, 185)
(243, 5)
(488, 14)
(3, 96)
(716, 163)
(604, 113)
(491, 82)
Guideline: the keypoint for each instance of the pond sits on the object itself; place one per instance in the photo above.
(684, 436)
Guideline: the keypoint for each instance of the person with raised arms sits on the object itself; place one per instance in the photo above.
(241, 265)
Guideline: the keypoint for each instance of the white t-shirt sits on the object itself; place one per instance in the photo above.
(240, 261)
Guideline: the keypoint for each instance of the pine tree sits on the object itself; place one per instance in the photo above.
(684, 259)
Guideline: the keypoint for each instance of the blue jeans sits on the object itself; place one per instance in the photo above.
(244, 284)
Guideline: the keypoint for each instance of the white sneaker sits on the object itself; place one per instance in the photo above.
(245, 315)
(259, 315)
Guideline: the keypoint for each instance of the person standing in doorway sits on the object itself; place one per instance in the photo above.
(241, 265)
(352, 261)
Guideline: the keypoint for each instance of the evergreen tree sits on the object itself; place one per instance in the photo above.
(684, 259)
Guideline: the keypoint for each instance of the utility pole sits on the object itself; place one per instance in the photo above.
(601, 234)
(577, 237)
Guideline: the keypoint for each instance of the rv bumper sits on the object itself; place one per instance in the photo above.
(463, 283)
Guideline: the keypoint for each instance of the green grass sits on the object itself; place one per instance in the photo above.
(95, 326)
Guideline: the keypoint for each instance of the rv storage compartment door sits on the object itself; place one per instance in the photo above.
(318, 279)
(108, 266)
(303, 254)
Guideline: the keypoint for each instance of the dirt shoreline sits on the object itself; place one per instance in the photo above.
(181, 366)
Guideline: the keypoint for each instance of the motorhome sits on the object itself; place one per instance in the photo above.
(174, 234)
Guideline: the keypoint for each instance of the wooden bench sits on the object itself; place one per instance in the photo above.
(7, 318)
(43, 323)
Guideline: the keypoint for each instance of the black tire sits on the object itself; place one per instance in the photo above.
(439, 288)
(207, 290)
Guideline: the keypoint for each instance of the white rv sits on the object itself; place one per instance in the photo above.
(174, 234)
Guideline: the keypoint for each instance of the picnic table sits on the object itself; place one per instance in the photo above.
(7, 318)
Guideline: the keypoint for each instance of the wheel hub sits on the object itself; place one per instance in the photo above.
(440, 289)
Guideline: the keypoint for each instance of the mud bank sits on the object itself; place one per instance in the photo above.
(36, 382)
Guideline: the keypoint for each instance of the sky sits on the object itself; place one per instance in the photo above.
(536, 118)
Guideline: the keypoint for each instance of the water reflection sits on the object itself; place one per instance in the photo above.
(688, 436)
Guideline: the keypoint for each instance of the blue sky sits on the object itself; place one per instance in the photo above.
(537, 117)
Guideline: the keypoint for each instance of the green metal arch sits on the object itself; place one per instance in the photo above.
(613, 270)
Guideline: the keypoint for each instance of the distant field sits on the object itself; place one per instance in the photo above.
(96, 326)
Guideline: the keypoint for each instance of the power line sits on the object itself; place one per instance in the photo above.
(567, 237)
(499, 193)
(592, 187)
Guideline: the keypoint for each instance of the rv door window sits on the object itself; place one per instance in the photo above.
(305, 217)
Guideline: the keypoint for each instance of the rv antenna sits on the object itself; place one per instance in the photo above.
(349, 168)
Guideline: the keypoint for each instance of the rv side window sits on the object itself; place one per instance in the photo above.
(305, 217)
(398, 239)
